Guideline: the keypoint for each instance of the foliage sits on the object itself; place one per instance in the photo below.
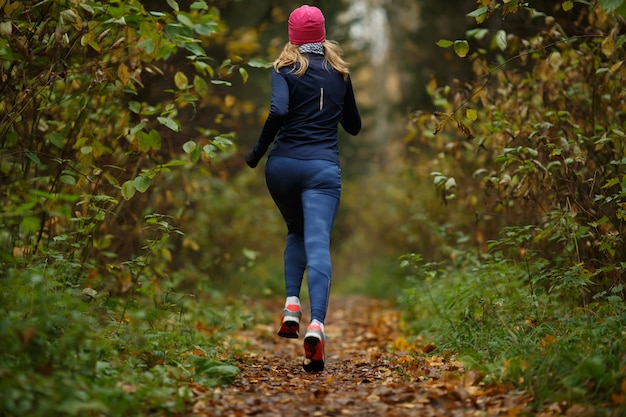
(496, 319)
(71, 352)
(538, 142)
(533, 150)
(99, 109)
(84, 136)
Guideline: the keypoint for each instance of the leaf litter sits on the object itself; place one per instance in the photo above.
(371, 370)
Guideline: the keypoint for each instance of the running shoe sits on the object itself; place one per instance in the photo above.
(290, 322)
(313, 349)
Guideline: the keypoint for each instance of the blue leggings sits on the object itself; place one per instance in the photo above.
(307, 194)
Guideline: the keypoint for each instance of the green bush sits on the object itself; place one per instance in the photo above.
(530, 165)
(494, 318)
(537, 140)
(69, 350)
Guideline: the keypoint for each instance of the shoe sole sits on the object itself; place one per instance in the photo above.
(314, 354)
(289, 329)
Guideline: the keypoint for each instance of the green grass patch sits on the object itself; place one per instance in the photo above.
(494, 317)
(67, 350)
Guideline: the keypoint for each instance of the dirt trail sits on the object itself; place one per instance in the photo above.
(361, 378)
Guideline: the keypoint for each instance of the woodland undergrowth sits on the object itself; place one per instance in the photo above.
(531, 290)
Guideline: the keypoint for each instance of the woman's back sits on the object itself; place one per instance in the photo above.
(315, 109)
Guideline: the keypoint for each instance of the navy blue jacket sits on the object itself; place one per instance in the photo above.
(305, 113)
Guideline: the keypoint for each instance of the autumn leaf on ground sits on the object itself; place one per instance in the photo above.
(371, 370)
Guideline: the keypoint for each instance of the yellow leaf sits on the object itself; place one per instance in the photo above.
(471, 114)
(615, 67)
(181, 80)
(123, 73)
(402, 344)
(608, 46)
(229, 100)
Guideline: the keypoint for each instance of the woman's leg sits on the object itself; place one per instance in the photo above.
(294, 263)
(282, 178)
(320, 202)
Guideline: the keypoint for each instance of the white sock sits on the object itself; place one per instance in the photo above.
(315, 321)
(292, 300)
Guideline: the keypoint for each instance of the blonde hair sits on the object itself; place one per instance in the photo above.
(290, 56)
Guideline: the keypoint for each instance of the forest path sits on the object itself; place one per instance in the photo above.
(362, 376)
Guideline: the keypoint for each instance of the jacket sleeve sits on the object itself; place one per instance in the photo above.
(351, 120)
(279, 108)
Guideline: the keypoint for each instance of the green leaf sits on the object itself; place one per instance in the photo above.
(173, 163)
(478, 33)
(611, 5)
(169, 123)
(611, 182)
(134, 106)
(259, 63)
(195, 49)
(189, 146)
(461, 47)
(155, 139)
(199, 5)
(173, 4)
(87, 8)
(128, 190)
(444, 43)
(141, 183)
(206, 29)
(137, 128)
(567, 5)
(185, 20)
(450, 184)
(30, 224)
(209, 149)
(201, 86)
(501, 40)
(471, 114)
(244, 74)
(479, 14)
(217, 372)
(56, 139)
(222, 142)
(34, 158)
(204, 68)
(68, 179)
(144, 141)
(602, 220)
(196, 154)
